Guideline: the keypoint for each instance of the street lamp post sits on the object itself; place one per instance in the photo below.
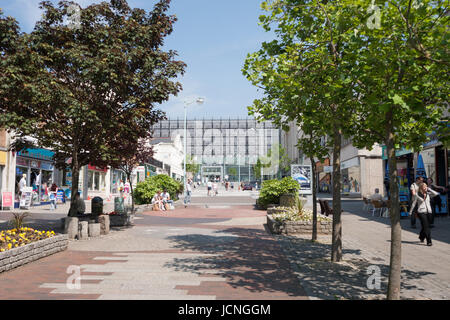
(186, 104)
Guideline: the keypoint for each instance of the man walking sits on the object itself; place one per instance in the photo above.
(187, 200)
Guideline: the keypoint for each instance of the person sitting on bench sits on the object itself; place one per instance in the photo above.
(168, 203)
(157, 202)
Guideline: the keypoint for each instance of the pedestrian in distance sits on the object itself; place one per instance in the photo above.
(53, 191)
(187, 199)
(209, 186)
(435, 201)
(414, 189)
(422, 207)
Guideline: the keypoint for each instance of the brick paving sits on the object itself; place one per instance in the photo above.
(200, 252)
(366, 242)
(219, 248)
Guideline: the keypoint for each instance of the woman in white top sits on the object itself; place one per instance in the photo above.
(422, 207)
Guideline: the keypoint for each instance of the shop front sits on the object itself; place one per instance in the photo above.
(431, 162)
(97, 181)
(37, 166)
(323, 173)
(434, 159)
(2, 167)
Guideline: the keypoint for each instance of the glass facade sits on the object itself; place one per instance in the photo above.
(234, 145)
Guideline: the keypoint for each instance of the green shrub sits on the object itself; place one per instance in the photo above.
(145, 191)
(272, 190)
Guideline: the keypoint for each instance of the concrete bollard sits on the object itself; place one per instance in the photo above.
(83, 230)
(71, 227)
(104, 224)
(94, 229)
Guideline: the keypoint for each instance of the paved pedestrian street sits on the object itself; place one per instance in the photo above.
(219, 248)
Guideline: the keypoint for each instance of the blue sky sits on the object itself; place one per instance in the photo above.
(212, 36)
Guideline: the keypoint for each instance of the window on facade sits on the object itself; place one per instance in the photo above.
(90, 180)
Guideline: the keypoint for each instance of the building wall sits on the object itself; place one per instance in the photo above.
(222, 141)
(7, 164)
(171, 154)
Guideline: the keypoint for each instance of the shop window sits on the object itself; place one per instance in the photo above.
(90, 180)
(96, 181)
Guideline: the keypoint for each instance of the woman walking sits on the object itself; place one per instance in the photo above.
(423, 209)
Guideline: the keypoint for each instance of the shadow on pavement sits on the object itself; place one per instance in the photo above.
(255, 262)
(344, 280)
(248, 258)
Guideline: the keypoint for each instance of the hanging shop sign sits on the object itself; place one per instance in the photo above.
(398, 153)
(46, 166)
(41, 154)
(21, 162)
(350, 163)
(95, 168)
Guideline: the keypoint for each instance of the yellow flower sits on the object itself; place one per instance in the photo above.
(9, 245)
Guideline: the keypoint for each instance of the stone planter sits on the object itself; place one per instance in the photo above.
(16, 257)
(121, 220)
(274, 210)
(298, 227)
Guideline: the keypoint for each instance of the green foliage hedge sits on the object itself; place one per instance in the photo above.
(145, 191)
(272, 190)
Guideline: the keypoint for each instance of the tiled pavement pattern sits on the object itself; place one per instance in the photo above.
(193, 253)
(217, 248)
(425, 271)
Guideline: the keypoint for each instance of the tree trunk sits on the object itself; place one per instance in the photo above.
(75, 167)
(131, 190)
(336, 246)
(314, 196)
(396, 229)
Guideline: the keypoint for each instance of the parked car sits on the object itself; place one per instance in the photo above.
(248, 186)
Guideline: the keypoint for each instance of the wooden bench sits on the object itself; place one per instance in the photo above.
(328, 210)
(322, 207)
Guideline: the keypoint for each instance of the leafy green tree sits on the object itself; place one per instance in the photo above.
(191, 165)
(311, 143)
(78, 90)
(232, 171)
(402, 74)
(304, 75)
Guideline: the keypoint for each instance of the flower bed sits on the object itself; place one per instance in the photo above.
(291, 221)
(19, 237)
(24, 245)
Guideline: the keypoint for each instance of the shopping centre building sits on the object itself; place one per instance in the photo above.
(224, 148)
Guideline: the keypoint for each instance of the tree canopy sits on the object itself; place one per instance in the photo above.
(80, 90)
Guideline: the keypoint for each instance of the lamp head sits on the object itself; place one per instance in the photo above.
(200, 100)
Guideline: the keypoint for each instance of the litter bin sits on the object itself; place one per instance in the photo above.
(97, 206)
